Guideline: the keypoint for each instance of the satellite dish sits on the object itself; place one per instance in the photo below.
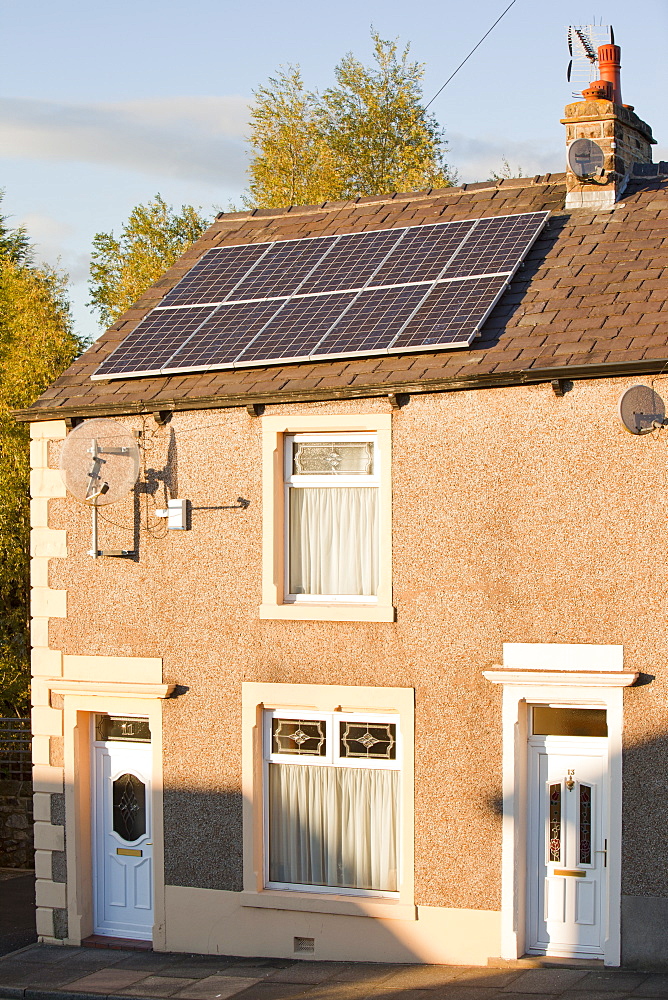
(641, 409)
(585, 157)
(99, 462)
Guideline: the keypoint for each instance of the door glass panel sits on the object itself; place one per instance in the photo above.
(554, 852)
(122, 728)
(129, 807)
(549, 721)
(585, 824)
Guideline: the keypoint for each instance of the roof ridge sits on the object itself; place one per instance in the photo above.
(395, 197)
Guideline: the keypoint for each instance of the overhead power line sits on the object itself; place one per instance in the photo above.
(452, 75)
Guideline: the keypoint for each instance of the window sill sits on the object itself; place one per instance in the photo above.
(329, 612)
(354, 906)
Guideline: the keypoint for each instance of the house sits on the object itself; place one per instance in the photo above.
(422, 716)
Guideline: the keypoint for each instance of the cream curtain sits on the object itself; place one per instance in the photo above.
(333, 826)
(334, 541)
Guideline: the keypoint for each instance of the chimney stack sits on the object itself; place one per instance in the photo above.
(604, 138)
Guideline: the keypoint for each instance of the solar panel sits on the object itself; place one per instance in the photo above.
(215, 275)
(452, 314)
(353, 261)
(495, 245)
(372, 322)
(423, 253)
(222, 337)
(297, 328)
(283, 269)
(417, 288)
(153, 342)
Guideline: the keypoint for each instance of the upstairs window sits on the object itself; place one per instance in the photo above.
(332, 517)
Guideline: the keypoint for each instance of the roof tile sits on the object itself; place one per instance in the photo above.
(594, 290)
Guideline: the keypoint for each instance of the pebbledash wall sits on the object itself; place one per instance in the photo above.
(517, 516)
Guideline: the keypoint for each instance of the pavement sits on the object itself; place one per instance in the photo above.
(17, 911)
(46, 972)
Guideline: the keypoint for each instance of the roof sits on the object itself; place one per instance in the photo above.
(589, 301)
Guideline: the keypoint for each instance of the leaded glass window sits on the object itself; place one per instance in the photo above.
(332, 787)
(129, 807)
(585, 824)
(554, 852)
(368, 740)
(335, 458)
(301, 737)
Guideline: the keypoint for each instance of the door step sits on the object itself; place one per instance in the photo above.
(115, 943)
(545, 962)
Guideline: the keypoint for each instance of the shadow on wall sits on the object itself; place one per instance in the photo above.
(204, 836)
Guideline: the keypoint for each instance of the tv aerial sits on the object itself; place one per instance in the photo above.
(641, 409)
(583, 43)
(99, 464)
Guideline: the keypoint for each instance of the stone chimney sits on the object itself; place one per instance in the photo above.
(604, 138)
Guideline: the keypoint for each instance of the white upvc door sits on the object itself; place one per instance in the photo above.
(568, 846)
(123, 841)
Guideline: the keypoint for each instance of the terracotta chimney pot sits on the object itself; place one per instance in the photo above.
(609, 65)
(599, 90)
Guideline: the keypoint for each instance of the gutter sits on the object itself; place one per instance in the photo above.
(494, 380)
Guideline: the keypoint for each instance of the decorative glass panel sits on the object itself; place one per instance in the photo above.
(116, 727)
(371, 740)
(302, 737)
(555, 823)
(569, 721)
(129, 807)
(335, 458)
(585, 825)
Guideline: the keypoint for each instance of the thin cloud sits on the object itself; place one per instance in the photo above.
(192, 138)
(477, 159)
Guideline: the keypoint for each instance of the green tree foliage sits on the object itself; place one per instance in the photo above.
(368, 134)
(36, 344)
(124, 266)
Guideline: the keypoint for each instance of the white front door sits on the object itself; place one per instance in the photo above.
(568, 842)
(123, 841)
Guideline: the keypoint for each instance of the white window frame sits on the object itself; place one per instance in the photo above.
(353, 481)
(275, 601)
(331, 758)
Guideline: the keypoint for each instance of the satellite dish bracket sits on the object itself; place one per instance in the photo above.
(95, 552)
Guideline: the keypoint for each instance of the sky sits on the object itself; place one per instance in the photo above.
(104, 105)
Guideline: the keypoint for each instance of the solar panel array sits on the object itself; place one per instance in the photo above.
(420, 288)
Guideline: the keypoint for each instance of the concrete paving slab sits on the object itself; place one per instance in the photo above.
(106, 981)
(274, 991)
(422, 977)
(613, 979)
(191, 971)
(45, 954)
(149, 961)
(546, 980)
(256, 972)
(157, 986)
(592, 994)
(453, 991)
(216, 988)
(655, 985)
(485, 977)
(307, 972)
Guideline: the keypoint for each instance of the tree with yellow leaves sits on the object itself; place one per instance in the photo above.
(36, 344)
(368, 134)
(123, 267)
